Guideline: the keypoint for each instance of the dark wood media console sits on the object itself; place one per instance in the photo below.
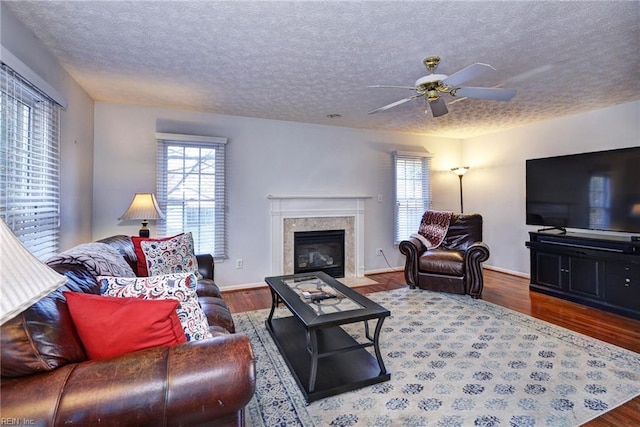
(598, 271)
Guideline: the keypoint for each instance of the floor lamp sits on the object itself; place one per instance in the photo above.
(460, 171)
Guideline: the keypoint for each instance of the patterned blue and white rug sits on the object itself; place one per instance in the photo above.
(454, 361)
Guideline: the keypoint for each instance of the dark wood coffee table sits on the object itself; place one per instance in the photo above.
(323, 358)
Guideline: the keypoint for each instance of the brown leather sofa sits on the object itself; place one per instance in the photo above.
(48, 381)
(455, 266)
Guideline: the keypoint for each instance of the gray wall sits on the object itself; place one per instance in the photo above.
(76, 129)
(283, 158)
(495, 186)
(264, 157)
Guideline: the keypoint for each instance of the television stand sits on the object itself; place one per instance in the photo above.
(595, 270)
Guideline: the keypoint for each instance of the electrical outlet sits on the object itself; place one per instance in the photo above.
(379, 252)
(239, 263)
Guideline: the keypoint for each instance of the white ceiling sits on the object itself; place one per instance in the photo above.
(299, 61)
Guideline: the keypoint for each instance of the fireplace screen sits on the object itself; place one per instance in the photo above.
(319, 251)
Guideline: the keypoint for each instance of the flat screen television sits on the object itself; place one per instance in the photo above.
(594, 191)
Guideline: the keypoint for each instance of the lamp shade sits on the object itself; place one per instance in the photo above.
(143, 206)
(24, 279)
(460, 170)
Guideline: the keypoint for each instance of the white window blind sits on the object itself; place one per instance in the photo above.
(191, 190)
(29, 164)
(413, 191)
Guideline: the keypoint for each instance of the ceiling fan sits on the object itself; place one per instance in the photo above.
(432, 85)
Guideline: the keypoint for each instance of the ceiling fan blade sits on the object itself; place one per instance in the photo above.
(438, 107)
(471, 72)
(494, 94)
(393, 104)
(397, 87)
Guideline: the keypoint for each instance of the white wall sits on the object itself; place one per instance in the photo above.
(263, 157)
(495, 184)
(76, 129)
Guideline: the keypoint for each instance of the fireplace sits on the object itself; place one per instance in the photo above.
(322, 250)
(292, 214)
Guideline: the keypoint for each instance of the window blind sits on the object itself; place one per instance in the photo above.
(412, 191)
(191, 190)
(29, 164)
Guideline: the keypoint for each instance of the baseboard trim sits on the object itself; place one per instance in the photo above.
(243, 287)
(257, 285)
(385, 270)
(250, 286)
(506, 271)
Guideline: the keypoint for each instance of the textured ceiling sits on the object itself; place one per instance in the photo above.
(299, 61)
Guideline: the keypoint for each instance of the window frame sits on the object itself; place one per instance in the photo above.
(30, 164)
(408, 211)
(198, 205)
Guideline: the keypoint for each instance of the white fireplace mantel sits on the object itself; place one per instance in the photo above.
(315, 206)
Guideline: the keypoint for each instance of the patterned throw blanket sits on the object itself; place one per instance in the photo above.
(100, 259)
(433, 228)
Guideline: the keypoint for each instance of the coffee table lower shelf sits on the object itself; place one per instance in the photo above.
(337, 372)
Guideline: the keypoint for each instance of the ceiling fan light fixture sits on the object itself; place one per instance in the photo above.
(432, 94)
(431, 85)
(430, 79)
(431, 62)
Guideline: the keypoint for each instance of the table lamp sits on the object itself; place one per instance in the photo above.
(144, 206)
(24, 279)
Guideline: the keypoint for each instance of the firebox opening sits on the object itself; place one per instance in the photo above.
(319, 251)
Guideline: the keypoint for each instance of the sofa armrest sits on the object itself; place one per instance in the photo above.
(474, 256)
(412, 248)
(188, 384)
(206, 265)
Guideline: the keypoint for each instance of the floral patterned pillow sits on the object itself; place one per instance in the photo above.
(174, 255)
(181, 287)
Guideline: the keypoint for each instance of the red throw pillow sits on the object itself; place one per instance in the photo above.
(111, 326)
(142, 259)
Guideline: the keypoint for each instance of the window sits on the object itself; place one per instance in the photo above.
(29, 164)
(191, 190)
(413, 191)
(599, 202)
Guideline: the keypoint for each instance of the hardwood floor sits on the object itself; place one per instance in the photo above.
(512, 292)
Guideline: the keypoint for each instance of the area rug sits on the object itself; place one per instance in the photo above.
(454, 361)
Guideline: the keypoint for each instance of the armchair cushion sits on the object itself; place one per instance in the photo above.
(442, 261)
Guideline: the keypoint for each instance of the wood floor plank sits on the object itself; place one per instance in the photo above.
(511, 292)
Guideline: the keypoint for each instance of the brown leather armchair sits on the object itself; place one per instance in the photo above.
(455, 266)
